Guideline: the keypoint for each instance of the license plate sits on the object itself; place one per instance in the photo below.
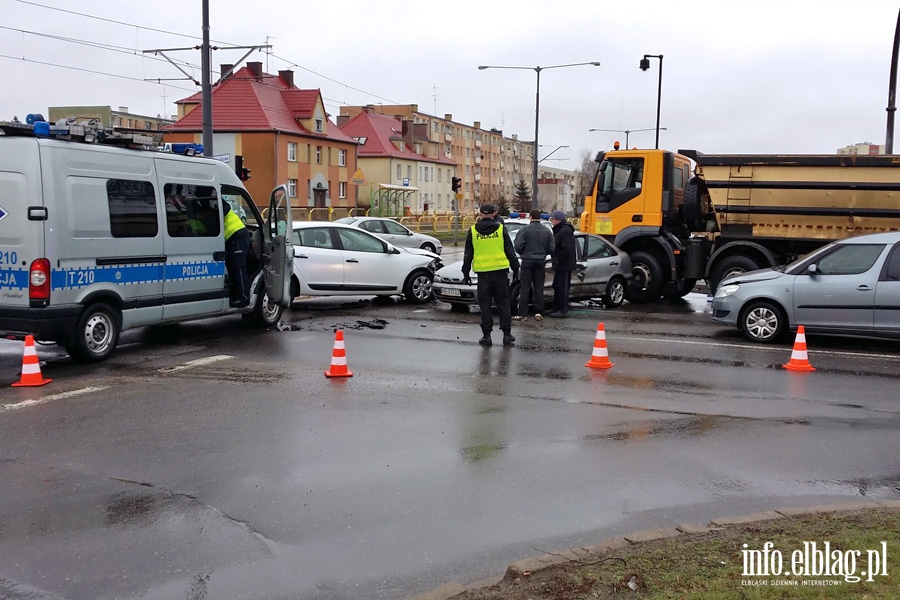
(450, 292)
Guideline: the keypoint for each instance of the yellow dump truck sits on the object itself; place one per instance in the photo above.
(739, 212)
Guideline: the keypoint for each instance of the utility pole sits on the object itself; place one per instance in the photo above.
(206, 87)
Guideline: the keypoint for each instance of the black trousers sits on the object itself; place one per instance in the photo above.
(493, 287)
(236, 249)
(532, 276)
(562, 284)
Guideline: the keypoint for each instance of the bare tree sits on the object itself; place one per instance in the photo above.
(587, 173)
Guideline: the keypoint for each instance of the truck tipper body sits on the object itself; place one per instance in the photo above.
(737, 213)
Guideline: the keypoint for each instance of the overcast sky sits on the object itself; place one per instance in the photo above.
(739, 76)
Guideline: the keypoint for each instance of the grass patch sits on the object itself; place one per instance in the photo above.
(709, 566)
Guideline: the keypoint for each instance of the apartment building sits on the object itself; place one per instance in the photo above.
(398, 176)
(282, 133)
(863, 148)
(107, 118)
(489, 163)
(558, 189)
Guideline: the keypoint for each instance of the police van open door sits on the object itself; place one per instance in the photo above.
(279, 249)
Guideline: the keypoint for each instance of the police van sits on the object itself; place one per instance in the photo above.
(99, 235)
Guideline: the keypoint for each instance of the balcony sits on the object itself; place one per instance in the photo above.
(477, 160)
(477, 176)
(448, 137)
(477, 144)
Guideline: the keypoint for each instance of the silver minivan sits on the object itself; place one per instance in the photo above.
(96, 239)
(850, 287)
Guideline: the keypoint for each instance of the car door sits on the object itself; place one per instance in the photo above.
(398, 235)
(368, 266)
(601, 263)
(278, 248)
(840, 294)
(318, 262)
(887, 295)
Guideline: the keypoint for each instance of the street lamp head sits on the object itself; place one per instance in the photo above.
(482, 67)
(645, 64)
(596, 64)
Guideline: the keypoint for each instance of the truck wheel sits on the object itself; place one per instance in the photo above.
(732, 265)
(97, 333)
(763, 322)
(418, 287)
(615, 292)
(685, 288)
(647, 284)
(694, 213)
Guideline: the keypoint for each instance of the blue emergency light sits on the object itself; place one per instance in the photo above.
(187, 149)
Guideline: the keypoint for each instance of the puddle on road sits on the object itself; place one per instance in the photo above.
(678, 428)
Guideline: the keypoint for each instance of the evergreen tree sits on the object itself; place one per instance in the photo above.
(523, 197)
(503, 206)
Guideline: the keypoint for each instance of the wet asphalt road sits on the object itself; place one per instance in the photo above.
(251, 475)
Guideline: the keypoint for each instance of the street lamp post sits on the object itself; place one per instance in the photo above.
(537, 116)
(627, 131)
(645, 64)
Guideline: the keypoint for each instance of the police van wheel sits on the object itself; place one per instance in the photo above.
(266, 312)
(97, 333)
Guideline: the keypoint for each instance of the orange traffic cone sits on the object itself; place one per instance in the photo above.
(338, 358)
(31, 369)
(599, 357)
(799, 359)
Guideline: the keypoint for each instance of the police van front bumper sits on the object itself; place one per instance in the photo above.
(54, 323)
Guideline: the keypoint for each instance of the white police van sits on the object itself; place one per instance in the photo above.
(97, 238)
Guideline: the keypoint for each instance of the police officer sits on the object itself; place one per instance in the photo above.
(237, 246)
(489, 252)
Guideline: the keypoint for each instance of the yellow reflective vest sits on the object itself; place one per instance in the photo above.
(232, 223)
(488, 252)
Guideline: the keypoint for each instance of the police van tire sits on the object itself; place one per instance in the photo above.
(97, 333)
(266, 313)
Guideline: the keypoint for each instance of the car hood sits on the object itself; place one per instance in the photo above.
(750, 276)
(419, 252)
(452, 271)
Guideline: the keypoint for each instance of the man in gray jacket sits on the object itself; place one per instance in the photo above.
(533, 243)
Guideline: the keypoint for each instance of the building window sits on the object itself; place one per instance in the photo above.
(132, 208)
(318, 155)
(319, 124)
(399, 172)
(292, 188)
(342, 189)
(292, 152)
(439, 176)
(409, 171)
(342, 158)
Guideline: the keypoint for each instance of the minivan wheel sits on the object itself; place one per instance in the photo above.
(615, 292)
(417, 288)
(97, 333)
(267, 313)
(763, 322)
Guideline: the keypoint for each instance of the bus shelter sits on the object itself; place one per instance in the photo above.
(391, 200)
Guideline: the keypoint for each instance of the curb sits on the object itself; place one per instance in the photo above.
(528, 566)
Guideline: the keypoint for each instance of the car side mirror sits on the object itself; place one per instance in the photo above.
(812, 269)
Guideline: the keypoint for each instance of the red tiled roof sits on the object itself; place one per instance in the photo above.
(243, 102)
(379, 131)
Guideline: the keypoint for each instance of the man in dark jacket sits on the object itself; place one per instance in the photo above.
(533, 243)
(563, 263)
(490, 253)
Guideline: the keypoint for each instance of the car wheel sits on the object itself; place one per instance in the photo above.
(615, 292)
(418, 287)
(729, 266)
(97, 333)
(429, 247)
(647, 285)
(763, 322)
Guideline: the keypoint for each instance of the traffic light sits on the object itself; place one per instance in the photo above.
(456, 184)
(240, 170)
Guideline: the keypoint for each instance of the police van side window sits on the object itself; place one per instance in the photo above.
(191, 210)
(132, 208)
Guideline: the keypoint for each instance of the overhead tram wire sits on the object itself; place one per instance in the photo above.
(194, 37)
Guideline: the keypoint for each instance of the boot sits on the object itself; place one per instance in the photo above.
(486, 340)
(508, 338)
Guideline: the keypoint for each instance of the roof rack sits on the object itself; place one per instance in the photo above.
(88, 131)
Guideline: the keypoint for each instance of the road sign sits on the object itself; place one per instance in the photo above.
(359, 178)
(406, 181)
(225, 158)
(459, 196)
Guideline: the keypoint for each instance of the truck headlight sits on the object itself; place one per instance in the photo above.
(727, 290)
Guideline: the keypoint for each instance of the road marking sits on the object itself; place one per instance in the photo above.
(755, 347)
(52, 397)
(195, 363)
(452, 327)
